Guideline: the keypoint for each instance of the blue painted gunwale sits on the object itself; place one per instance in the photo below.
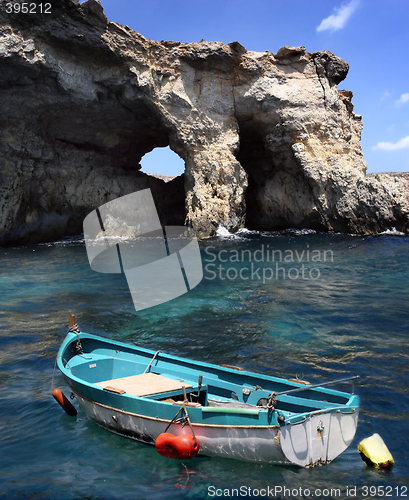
(111, 359)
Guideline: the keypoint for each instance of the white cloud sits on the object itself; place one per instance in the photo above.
(393, 146)
(402, 99)
(338, 20)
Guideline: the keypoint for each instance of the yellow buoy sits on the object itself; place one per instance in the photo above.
(374, 452)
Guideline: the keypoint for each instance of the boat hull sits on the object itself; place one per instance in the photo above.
(320, 438)
(246, 443)
(317, 440)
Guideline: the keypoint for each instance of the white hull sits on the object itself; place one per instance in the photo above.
(320, 438)
(303, 444)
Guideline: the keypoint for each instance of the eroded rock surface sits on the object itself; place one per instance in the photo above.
(268, 140)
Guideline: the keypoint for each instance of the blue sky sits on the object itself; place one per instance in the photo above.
(371, 35)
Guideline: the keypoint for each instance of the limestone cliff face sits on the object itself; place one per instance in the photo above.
(268, 140)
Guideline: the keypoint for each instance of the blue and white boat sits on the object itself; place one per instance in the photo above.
(140, 394)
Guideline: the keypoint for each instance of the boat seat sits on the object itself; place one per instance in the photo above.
(145, 384)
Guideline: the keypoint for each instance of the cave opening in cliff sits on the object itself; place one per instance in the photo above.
(162, 161)
(105, 144)
(258, 163)
(167, 168)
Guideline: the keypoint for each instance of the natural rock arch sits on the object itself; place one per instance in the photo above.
(267, 139)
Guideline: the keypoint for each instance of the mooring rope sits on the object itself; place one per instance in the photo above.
(184, 420)
(272, 401)
(75, 329)
(52, 380)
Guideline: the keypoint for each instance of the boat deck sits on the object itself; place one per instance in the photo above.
(145, 384)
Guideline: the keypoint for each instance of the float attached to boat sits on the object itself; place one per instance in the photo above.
(195, 407)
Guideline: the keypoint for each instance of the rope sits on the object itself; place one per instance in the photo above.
(184, 420)
(52, 380)
(75, 329)
(187, 475)
(171, 422)
(271, 401)
(66, 364)
(55, 365)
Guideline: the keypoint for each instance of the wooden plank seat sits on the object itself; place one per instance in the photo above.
(145, 384)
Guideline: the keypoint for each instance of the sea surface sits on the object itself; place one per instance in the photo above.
(291, 304)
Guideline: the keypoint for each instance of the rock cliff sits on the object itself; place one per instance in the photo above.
(267, 139)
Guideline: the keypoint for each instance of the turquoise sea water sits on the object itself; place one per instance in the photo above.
(320, 306)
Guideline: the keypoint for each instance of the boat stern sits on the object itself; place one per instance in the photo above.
(316, 438)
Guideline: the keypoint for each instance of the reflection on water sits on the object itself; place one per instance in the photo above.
(352, 319)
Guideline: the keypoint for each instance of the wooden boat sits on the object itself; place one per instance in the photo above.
(140, 394)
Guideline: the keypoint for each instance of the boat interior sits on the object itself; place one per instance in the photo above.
(157, 376)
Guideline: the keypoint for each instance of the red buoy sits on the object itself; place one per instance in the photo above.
(64, 403)
(171, 446)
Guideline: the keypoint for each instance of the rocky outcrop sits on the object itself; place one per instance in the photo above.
(268, 140)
